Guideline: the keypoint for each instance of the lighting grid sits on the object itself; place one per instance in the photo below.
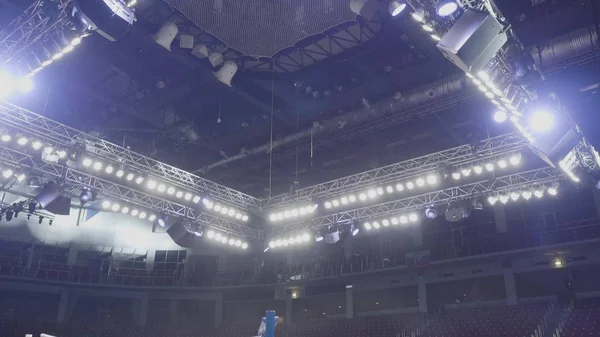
(403, 219)
(291, 240)
(136, 212)
(226, 240)
(77, 179)
(156, 186)
(52, 131)
(487, 166)
(490, 147)
(371, 194)
(526, 194)
(47, 151)
(466, 190)
(296, 212)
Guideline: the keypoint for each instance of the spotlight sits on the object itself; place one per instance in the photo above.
(515, 160)
(430, 213)
(399, 187)
(431, 179)
(40, 219)
(514, 196)
(319, 237)
(162, 220)
(354, 229)
(138, 180)
(552, 191)
(456, 175)
(558, 262)
(538, 193)
(500, 116)
(6, 138)
(502, 163)
(22, 141)
(9, 214)
(465, 172)
(541, 121)
(503, 198)
(396, 7)
(477, 169)
(489, 167)
(97, 166)
(7, 173)
(419, 15)
(410, 185)
(86, 196)
(31, 207)
(427, 28)
(420, 182)
(109, 169)
(446, 7)
(526, 195)
(368, 226)
(106, 204)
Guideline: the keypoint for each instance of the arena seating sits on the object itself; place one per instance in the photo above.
(498, 321)
(584, 319)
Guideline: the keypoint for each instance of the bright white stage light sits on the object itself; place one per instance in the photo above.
(344, 200)
(224, 239)
(352, 198)
(514, 196)
(503, 198)
(431, 179)
(552, 191)
(385, 223)
(106, 204)
(445, 7)
(399, 187)
(22, 141)
(115, 207)
(327, 204)
(410, 185)
(245, 217)
(372, 194)
(541, 121)
(418, 15)
(238, 215)
(396, 7)
(179, 195)
(502, 163)
(61, 154)
(379, 190)
(231, 242)
(5, 138)
(420, 182)
(477, 169)
(394, 221)
(489, 167)
(139, 180)
(526, 195)
(152, 217)
(6, 86)
(465, 172)
(224, 210)
(389, 189)
(7, 173)
(210, 234)
(87, 162)
(492, 199)
(244, 245)
(21, 177)
(109, 169)
(362, 197)
(24, 84)
(151, 184)
(500, 116)
(130, 177)
(515, 160)
(142, 215)
(368, 226)
(135, 212)
(48, 150)
(97, 166)
(435, 37)
(489, 94)
(538, 193)
(376, 225)
(231, 212)
(456, 175)
(412, 217)
(403, 219)
(335, 203)
(427, 28)
(125, 210)
(187, 196)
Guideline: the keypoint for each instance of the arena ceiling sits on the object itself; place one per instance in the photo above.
(334, 93)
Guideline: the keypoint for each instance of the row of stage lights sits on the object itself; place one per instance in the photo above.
(135, 212)
(403, 219)
(162, 188)
(373, 193)
(222, 238)
(292, 240)
(538, 193)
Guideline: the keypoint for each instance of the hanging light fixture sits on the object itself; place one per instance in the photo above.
(397, 7)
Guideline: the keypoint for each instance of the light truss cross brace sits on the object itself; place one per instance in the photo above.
(46, 129)
(454, 156)
(77, 179)
(511, 182)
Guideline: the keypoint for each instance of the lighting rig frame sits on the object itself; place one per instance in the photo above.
(490, 147)
(29, 27)
(59, 134)
(75, 179)
(545, 175)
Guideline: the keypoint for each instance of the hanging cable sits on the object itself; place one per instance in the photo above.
(297, 130)
(272, 113)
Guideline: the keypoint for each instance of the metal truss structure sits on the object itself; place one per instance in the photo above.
(454, 194)
(76, 180)
(45, 129)
(455, 156)
(29, 27)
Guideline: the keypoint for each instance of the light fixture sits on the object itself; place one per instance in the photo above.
(420, 182)
(427, 28)
(430, 213)
(515, 160)
(541, 121)
(319, 236)
(558, 262)
(552, 191)
(456, 175)
(514, 196)
(492, 200)
(86, 196)
(432, 179)
(502, 163)
(418, 15)
(489, 167)
(477, 169)
(526, 195)
(97, 166)
(354, 229)
(504, 198)
(446, 7)
(396, 7)
(538, 193)
(500, 116)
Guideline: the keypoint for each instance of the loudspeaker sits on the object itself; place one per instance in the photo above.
(554, 145)
(473, 41)
(61, 205)
(166, 34)
(109, 18)
(50, 192)
(182, 234)
(226, 73)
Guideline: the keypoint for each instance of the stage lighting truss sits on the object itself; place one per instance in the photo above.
(372, 194)
(468, 190)
(460, 155)
(530, 192)
(132, 210)
(224, 239)
(394, 221)
(569, 163)
(293, 213)
(490, 165)
(158, 187)
(75, 180)
(48, 131)
(297, 239)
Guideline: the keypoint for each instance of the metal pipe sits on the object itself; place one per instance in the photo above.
(575, 46)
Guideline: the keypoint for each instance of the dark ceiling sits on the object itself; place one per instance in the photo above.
(358, 108)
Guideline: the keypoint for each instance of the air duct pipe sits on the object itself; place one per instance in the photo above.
(433, 92)
(575, 46)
